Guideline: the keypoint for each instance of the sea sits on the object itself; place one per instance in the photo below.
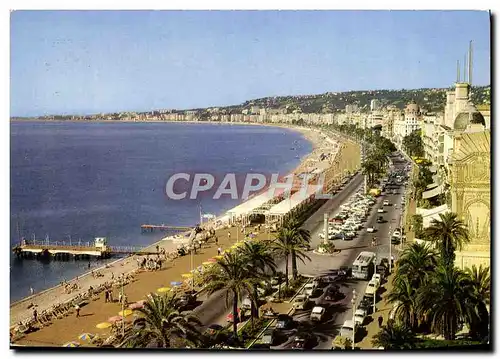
(74, 181)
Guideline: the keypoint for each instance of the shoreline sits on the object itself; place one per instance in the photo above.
(316, 140)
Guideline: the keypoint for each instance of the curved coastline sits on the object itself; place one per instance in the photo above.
(304, 132)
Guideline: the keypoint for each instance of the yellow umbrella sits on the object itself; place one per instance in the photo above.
(125, 313)
(207, 263)
(163, 289)
(187, 275)
(103, 325)
(219, 257)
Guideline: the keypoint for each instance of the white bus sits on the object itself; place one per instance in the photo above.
(363, 266)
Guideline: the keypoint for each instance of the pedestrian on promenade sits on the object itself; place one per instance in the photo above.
(35, 314)
(199, 242)
(112, 276)
(228, 235)
(77, 308)
(106, 296)
(219, 251)
(380, 320)
(216, 240)
(157, 248)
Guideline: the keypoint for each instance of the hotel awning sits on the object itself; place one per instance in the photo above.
(433, 192)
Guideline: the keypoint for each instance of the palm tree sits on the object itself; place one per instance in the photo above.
(369, 168)
(403, 295)
(289, 241)
(303, 239)
(394, 337)
(160, 323)
(233, 275)
(480, 280)
(478, 316)
(416, 262)
(261, 260)
(449, 233)
(446, 300)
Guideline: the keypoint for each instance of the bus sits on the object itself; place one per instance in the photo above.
(363, 266)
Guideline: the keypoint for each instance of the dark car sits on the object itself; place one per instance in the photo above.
(284, 322)
(269, 337)
(345, 272)
(366, 304)
(380, 219)
(332, 292)
(187, 299)
(303, 341)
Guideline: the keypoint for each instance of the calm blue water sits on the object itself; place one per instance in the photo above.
(87, 180)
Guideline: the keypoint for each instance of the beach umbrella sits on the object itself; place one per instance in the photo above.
(212, 260)
(115, 319)
(218, 257)
(136, 305)
(103, 325)
(71, 345)
(187, 275)
(207, 263)
(125, 313)
(252, 235)
(163, 290)
(86, 336)
(175, 284)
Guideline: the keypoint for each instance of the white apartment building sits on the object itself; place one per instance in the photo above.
(405, 125)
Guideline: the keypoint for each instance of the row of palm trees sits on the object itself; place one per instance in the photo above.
(429, 292)
(238, 273)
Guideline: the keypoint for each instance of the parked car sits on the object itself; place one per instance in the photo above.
(370, 229)
(396, 233)
(309, 289)
(380, 210)
(300, 302)
(284, 322)
(380, 219)
(359, 316)
(386, 203)
(332, 292)
(269, 336)
(377, 277)
(347, 329)
(303, 341)
(317, 314)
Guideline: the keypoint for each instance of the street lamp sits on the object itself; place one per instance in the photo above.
(390, 250)
(123, 305)
(353, 302)
(375, 291)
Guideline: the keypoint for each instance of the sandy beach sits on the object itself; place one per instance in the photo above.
(68, 328)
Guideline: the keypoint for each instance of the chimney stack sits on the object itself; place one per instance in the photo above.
(458, 71)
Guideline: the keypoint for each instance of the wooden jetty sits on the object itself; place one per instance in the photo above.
(163, 227)
(98, 249)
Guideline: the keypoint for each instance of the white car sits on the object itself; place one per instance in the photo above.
(309, 289)
(370, 229)
(377, 278)
(347, 329)
(374, 285)
(386, 202)
(359, 316)
(380, 210)
(396, 234)
(317, 314)
(300, 302)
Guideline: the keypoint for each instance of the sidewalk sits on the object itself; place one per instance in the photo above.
(383, 309)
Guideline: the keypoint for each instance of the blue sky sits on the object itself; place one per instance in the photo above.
(65, 62)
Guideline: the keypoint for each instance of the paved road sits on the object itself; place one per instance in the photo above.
(341, 310)
(215, 309)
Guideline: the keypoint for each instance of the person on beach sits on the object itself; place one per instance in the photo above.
(32, 291)
(219, 251)
(35, 315)
(380, 320)
(157, 248)
(106, 296)
(88, 266)
(228, 235)
(77, 308)
(112, 276)
(216, 240)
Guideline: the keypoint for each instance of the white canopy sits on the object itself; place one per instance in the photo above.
(433, 192)
(251, 204)
(288, 204)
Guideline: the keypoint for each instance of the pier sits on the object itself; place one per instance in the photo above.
(163, 227)
(98, 249)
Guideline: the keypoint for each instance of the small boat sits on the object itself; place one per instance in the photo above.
(292, 149)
